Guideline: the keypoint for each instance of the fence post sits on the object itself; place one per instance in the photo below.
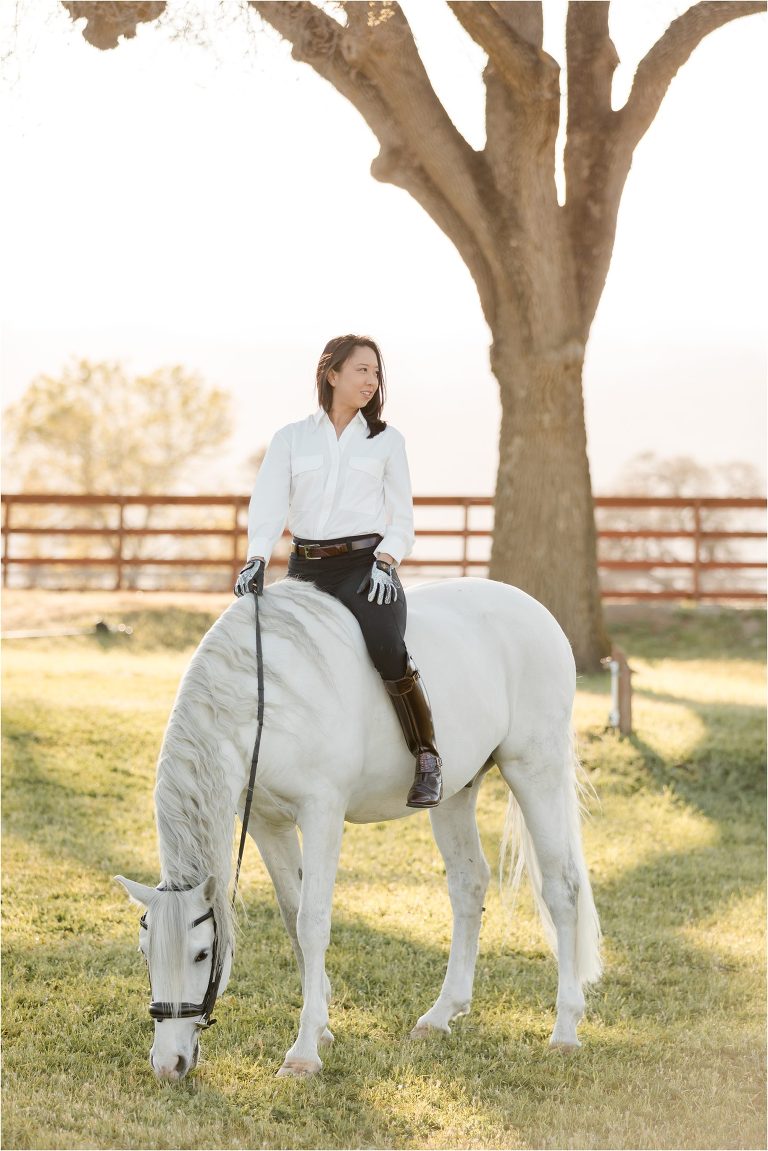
(236, 561)
(621, 691)
(120, 538)
(465, 539)
(696, 550)
(6, 539)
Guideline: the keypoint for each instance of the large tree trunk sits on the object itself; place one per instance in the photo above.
(544, 539)
(544, 535)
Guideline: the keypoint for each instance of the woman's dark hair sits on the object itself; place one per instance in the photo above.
(335, 353)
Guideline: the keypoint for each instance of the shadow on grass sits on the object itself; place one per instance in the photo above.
(74, 791)
(693, 633)
(722, 776)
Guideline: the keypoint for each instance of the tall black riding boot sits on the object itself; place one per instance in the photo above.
(411, 703)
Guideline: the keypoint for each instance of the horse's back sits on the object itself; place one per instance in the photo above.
(469, 621)
(482, 619)
(493, 660)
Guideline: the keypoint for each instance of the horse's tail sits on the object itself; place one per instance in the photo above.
(518, 854)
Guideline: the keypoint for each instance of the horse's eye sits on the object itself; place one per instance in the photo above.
(201, 955)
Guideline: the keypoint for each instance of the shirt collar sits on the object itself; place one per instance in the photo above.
(318, 415)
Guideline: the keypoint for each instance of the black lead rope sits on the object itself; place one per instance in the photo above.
(255, 756)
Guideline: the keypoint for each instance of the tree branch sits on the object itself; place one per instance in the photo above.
(107, 22)
(525, 68)
(600, 141)
(589, 160)
(392, 167)
(522, 107)
(659, 67)
(374, 62)
(592, 60)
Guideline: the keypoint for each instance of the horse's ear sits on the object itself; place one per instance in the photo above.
(205, 890)
(138, 892)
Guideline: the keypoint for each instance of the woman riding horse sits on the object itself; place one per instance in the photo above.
(340, 479)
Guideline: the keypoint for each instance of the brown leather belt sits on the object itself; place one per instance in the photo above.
(318, 552)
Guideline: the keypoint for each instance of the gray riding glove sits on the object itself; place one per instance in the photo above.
(251, 578)
(380, 584)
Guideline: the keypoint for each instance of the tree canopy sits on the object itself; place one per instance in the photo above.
(97, 429)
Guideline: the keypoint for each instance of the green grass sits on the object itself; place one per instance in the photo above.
(674, 1044)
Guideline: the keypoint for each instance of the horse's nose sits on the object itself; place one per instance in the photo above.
(169, 1069)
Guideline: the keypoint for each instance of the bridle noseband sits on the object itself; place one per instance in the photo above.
(159, 1009)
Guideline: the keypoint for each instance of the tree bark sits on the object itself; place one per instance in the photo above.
(544, 525)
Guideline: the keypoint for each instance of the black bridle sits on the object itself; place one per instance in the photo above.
(161, 1010)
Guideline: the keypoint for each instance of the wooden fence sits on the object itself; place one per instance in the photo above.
(673, 548)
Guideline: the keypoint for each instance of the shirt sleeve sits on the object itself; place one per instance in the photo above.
(268, 509)
(399, 536)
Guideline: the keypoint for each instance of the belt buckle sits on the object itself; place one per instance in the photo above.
(306, 549)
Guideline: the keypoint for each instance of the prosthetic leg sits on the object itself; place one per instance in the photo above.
(411, 703)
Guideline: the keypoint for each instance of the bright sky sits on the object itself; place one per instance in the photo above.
(210, 204)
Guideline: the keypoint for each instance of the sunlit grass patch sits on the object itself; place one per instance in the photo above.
(734, 938)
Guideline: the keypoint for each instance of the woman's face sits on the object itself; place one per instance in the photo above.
(356, 381)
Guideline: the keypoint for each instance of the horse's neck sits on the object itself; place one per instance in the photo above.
(197, 784)
(194, 823)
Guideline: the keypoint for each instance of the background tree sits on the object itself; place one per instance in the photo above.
(539, 266)
(94, 430)
(682, 477)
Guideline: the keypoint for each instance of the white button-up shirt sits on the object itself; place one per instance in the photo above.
(327, 487)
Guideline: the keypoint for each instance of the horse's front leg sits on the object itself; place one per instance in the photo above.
(454, 826)
(322, 827)
(279, 847)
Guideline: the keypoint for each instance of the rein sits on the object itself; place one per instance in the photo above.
(256, 746)
(158, 1009)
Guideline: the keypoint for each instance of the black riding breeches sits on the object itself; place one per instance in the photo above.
(382, 625)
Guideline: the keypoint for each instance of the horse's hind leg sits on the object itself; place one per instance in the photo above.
(543, 785)
(455, 831)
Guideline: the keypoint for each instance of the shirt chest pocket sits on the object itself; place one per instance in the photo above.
(306, 476)
(364, 487)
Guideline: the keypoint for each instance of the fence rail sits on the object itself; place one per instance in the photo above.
(456, 541)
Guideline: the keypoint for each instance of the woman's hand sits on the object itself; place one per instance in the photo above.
(251, 577)
(380, 584)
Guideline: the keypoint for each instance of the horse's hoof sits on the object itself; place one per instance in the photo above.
(327, 1038)
(564, 1048)
(426, 1031)
(299, 1069)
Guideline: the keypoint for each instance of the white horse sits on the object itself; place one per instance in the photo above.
(501, 678)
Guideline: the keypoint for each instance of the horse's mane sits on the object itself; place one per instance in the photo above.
(216, 702)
